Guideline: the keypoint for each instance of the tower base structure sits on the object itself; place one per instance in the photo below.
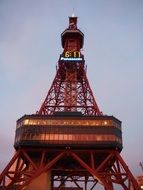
(67, 148)
(83, 168)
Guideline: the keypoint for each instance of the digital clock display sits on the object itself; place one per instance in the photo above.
(74, 54)
(71, 56)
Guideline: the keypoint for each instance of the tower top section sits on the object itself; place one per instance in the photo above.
(73, 22)
(72, 32)
(70, 90)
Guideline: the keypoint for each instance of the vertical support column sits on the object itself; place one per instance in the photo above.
(70, 100)
(92, 160)
(86, 179)
(43, 182)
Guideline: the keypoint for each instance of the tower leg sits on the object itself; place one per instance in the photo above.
(24, 171)
(41, 182)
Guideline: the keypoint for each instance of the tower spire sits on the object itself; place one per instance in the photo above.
(73, 22)
(70, 90)
(73, 15)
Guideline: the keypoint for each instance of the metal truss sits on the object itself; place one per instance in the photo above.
(70, 91)
(110, 171)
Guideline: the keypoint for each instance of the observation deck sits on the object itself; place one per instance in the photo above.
(74, 34)
(69, 130)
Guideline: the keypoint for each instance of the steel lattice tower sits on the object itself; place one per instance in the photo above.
(69, 140)
(70, 90)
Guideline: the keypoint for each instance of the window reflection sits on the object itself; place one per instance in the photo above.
(66, 137)
(26, 121)
(71, 122)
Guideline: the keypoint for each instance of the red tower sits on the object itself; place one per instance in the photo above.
(69, 141)
(70, 90)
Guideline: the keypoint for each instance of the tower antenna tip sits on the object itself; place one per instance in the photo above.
(73, 15)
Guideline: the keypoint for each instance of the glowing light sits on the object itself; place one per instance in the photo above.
(71, 59)
(26, 121)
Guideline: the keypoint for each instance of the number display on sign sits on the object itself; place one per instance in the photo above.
(75, 54)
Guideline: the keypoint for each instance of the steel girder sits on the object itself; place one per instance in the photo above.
(83, 95)
(83, 167)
